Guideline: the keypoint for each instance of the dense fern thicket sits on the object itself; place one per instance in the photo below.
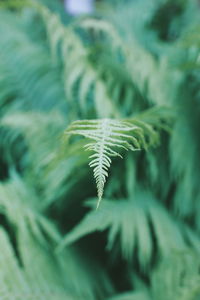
(125, 78)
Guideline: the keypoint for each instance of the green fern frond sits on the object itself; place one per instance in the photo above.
(106, 134)
(50, 276)
(128, 221)
(78, 67)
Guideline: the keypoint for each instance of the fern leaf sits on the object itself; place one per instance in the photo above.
(106, 134)
(131, 222)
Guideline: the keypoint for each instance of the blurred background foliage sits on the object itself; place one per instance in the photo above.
(135, 59)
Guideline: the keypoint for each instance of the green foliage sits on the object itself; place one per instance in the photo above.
(34, 238)
(177, 277)
(125, 78)
(129, 225)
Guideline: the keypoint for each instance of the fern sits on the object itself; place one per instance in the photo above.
(176, 277)
(106, 134)
(51, 276)
(112, 70)
(78, 68)
(128, 228)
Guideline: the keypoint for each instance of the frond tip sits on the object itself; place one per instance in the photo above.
(106, 135)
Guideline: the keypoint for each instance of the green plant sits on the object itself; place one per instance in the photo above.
(118, 80)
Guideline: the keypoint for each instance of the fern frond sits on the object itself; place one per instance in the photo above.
(106, 134)
(78, 68)
(50, 276)
(129, 221)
